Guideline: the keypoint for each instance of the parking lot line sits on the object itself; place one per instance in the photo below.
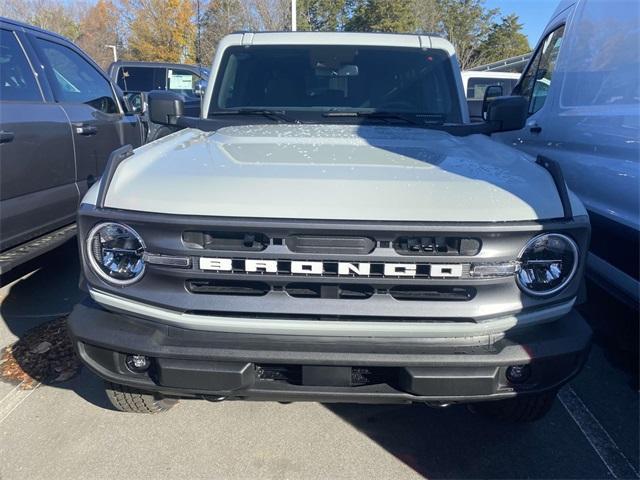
(597, 436)
(12, 390)
(13, 399)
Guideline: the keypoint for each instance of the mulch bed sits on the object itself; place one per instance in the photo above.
(43, 354)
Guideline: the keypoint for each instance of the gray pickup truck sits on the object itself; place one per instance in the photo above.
(60, 118)
(333, 229)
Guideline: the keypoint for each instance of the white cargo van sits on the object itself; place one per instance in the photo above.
(583, 85)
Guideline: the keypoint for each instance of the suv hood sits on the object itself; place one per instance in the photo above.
(334, 172)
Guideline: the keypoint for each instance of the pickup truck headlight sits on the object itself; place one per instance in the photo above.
(115, 253)
(548, 262)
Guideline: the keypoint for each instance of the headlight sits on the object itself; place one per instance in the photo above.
(547, 264)
(115, 253)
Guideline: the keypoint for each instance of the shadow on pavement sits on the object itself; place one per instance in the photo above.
(35, 299)
(454, 443)
(616, 328)
(47, 290)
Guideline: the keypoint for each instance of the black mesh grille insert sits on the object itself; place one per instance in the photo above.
(430, 245)
(228, 241)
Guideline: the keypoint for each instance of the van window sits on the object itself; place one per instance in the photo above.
(476, 86)
(17, 82)
(536, 81)
(604, 65)
(142, 79)
(76, 80)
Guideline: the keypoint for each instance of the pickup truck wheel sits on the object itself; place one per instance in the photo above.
(127, 399)
(521, 409)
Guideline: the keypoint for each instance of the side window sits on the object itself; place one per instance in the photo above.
(537, 79)
(17, 82)
(75, 79)
(181, 81)
(477, 86)
(142, 79)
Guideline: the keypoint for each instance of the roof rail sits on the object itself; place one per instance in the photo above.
(518, 63)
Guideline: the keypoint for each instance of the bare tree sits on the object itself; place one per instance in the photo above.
(60, 17)
(219, 18)
(270, 15)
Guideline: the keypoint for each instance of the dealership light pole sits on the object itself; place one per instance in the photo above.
(293, 16)
(114, 50)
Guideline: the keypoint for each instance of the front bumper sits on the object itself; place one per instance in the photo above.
(190, 363)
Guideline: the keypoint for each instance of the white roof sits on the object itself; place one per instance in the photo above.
(481, 74)
(340, 38)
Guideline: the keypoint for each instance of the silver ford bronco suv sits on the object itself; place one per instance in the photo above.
(333, 229)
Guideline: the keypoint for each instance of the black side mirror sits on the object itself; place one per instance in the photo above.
(507, 113)
(165, 107)
(490, 94)
(199, 88)
(136, 102)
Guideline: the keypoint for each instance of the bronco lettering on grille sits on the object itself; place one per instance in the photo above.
(357, 269)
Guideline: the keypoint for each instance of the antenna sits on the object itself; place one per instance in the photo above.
(294, 20)
(198, 59)
(199, 53)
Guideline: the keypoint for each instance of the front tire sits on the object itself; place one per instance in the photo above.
(127, 399)
(520, 409)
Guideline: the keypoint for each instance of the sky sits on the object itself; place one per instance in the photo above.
(534, 14)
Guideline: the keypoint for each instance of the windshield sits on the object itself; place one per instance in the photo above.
(342, 78)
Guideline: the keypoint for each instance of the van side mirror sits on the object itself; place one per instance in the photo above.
(165, 107)
(507, 113)
(490, 94)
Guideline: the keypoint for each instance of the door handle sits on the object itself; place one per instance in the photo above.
(6, 137)
(534, 127)
(86, 130)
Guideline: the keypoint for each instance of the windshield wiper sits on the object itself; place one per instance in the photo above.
(274, 114)
(412, 118)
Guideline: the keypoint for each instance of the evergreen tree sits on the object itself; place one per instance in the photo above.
(505, 40)
(384, 16)
(323, 15)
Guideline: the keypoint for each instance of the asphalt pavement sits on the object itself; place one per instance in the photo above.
(68, 430)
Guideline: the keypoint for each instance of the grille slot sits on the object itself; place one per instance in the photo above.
(228, 287)
(430, 245)
(319, 290)
(228, 241)
(333, 245)
(432, 293)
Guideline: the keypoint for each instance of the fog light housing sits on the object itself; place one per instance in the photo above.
(518, 373)
(138, 363)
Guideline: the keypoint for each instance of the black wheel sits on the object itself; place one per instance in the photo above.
(521, 409)
(127, 399)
